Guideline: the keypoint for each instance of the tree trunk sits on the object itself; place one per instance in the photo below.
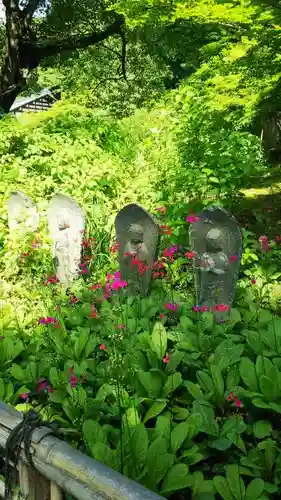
(23, 52)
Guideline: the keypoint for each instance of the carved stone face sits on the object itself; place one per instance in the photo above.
(136, 234)
(214, 240)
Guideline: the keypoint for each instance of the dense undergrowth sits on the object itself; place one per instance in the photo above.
(150, 386)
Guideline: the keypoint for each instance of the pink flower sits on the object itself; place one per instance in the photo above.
(102, 347)
(117, 284)
(117, 275)
(253, 281)
(165, 230)
(73, 381)
(171, 307)
(264, 243)
(47, 321)
(24, 396)
(73, 300)
(166, 359)
(230, 396)
(110, 277)
(169, 252)
(220, 308)
(42, 385)
(51, 279)
(161, 210)
(114, 248)
(192, 218)
(106, 291)
(96, 286)
(190, 255)
(196, 308)
(238, 403)
(233, 258)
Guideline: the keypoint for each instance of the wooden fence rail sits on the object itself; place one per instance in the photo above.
(59, 467)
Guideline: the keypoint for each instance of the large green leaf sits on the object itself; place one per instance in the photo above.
(205, 381)
(139, 443)
(255, 489)
(18, 373)
(152, 382)
(268, 387)
(248, 374)
(177, 478)
(262, 429)
(222, 487)
(218, 380)
(178, 435)
(93, 433)
(173, 382)
(159, 340)
(209, 424)
(235, 482)
(154, 410)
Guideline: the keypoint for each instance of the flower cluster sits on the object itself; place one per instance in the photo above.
(169, 253)
(88, 242)
(51, 280)
(165, 230)
(171, 307)
(263, 240)
(215, 308)
(192, 218)
(43, 385)
(83, 268)
(47, 321)
(234, 398)
(114, 248)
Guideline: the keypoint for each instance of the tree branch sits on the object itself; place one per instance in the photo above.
(46, 49)
(30, 8)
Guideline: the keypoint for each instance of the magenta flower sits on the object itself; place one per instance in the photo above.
(73, 380)
(220, 308)
(192, 218)
(169, 252)
(172, 307)
(106, 291)
(204, 308)
(47, 321)
(117, 284)
(24, 396)
(196, 308)
(117, 275)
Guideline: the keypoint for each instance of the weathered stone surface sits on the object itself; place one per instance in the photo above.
(22, 213)
(217, 240)
(138, 237)
(66, 226)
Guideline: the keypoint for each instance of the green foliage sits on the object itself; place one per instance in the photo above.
(171, 400)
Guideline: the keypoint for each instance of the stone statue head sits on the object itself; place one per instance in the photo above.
(136, 234)
(214, 240)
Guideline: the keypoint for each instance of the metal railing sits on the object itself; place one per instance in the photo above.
(59, 467)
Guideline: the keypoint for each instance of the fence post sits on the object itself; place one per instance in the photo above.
(56, 492)
(33, 485)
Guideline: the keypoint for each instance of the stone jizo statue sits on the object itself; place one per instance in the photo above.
(138, 237)
(216, 238)
(66, 227)
(22, 213)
